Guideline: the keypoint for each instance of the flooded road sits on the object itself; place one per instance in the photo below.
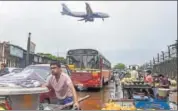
(97, 97)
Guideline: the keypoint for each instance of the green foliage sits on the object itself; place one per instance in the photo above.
(120, 66)
(52, 57)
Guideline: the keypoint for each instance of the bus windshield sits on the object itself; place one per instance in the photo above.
(84, 61)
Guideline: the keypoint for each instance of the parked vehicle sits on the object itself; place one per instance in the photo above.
(14, 69)
(44, 71)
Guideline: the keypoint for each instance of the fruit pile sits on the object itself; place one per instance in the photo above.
(115, 106)
(173, 82)
(131, 81)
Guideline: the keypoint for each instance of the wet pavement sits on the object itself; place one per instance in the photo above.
(97, 97)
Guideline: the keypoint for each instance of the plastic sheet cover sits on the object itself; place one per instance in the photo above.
(27, 79)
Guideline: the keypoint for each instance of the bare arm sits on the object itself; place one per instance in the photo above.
(48, 83)
(74, 93)
(71, 86)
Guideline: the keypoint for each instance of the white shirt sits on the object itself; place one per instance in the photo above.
(134, 74)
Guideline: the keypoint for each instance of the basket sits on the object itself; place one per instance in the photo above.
(163, 92)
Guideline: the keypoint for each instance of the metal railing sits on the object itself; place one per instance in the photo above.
(165, 63)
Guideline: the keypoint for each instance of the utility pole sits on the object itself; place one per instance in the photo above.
(158, 57)
(163, 55)
(169, 52)
(28, 49)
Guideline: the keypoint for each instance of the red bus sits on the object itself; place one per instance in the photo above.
(88, 68)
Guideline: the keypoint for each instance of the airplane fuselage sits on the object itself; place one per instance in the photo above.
(84, 15)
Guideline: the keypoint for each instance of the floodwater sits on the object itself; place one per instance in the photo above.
(97, 97)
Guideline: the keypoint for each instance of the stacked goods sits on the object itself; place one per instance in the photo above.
(115, 106)
(173, 82)
(127, 81)
(132, 81)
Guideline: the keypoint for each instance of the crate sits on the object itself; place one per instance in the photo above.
(152, 105)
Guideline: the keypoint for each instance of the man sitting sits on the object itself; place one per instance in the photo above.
(163, 81)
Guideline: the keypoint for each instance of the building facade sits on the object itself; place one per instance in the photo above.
(15, 56)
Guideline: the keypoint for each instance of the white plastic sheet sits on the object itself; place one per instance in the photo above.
(28, 79)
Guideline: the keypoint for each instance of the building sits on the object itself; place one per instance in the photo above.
(3, 52)
(15, 56)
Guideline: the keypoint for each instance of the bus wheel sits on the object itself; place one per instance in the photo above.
(107, 82)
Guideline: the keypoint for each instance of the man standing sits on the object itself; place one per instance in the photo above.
(134, 73)
(3, 70)
(148, 77)
(62, 85)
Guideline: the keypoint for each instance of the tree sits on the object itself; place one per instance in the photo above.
(52, 57)
(120, 66)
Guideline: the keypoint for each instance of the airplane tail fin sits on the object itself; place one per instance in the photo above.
(65, 9)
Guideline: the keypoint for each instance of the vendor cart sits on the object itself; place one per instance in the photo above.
(18, 98)
(135, 87)
(145, 101)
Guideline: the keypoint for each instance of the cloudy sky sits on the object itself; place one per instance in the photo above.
(135, 32)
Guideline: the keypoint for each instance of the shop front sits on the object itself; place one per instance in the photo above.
(16, 56)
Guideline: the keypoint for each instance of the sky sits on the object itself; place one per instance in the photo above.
(135, 32)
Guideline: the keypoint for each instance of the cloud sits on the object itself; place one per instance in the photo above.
(135, 28)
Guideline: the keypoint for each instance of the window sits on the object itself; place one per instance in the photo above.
(84, 61)
(106, 64)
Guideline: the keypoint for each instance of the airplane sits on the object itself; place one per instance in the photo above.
(88, 16)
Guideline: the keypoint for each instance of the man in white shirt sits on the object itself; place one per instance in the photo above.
(134, 73)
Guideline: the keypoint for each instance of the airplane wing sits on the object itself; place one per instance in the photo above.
(82, 19)
(88, 9)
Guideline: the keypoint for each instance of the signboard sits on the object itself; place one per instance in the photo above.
(32, 47)
(14, 51)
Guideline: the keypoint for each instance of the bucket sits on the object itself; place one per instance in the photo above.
(163, 92)
(24, 102)
(22, 98)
